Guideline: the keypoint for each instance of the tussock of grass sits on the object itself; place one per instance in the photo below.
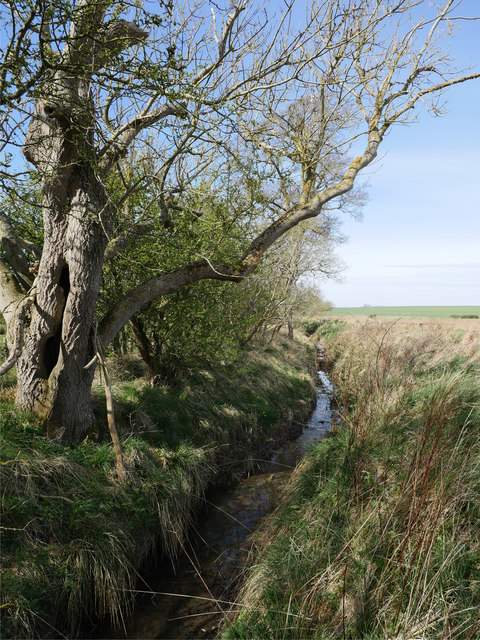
(74, 539)
(379, 536)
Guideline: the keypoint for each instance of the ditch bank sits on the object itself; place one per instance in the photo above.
(378, 533)
(192, 599)
(75, 540)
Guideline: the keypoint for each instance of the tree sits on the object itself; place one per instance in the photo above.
(200, 322)
(277, 289)
(194, 85)
(211, 319)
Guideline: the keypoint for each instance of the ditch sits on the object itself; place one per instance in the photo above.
(191, 602)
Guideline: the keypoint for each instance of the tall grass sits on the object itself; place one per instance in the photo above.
(74, 539)
(379, 536)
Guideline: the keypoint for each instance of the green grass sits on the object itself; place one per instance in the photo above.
(379, 534)
(74, 539)
(410, 312)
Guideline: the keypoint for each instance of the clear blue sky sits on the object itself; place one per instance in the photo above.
(419, 242)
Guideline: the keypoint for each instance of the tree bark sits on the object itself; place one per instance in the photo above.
(290, 326)
(52, 381)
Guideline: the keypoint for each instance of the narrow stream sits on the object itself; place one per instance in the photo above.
(185, 606)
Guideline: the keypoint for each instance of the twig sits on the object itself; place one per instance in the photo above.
(120, 467)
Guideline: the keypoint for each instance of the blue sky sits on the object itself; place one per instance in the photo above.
(419, 241)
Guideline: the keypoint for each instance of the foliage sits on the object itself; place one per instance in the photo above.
(328, 328)
(310, 326)
(210, 320)
(379, 534)
(198, 323)
(324, 327)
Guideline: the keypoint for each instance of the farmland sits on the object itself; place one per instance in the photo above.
(410, 312)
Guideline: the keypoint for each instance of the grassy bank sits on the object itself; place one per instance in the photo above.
(379, 535)
(74, 539)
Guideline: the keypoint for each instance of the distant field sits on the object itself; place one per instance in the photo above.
(410, 312)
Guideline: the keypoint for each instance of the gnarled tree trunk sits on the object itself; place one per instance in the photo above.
(52, 380)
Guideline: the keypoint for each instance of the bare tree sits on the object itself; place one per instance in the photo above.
(278, 287)
(189, 83)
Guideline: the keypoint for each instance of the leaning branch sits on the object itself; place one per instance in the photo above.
(314, 206)
(162, 285)
(167, 283)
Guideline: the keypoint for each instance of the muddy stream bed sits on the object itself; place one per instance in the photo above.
(191, 602)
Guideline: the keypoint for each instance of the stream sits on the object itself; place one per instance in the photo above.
(188, 604)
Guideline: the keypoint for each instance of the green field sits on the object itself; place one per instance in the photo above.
(411, 312)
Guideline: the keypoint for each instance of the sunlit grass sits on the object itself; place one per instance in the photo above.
(379, 536)
(412, 312)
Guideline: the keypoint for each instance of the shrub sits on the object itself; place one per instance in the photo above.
(466, 316)
(310, 326)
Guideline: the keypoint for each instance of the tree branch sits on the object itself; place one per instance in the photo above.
(16, 333)
(10, 293)
(222, 44)
(119, 463)
(434, 89)
(91, 42)
(13, 246)
(118, 144)
(128, 236)
(117, 36)
(162, 285)
(172, 281)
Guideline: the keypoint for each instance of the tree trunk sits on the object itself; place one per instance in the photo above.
(143, 344)
(290, 325)
(52, 380)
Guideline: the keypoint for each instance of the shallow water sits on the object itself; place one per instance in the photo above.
(189, 603)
